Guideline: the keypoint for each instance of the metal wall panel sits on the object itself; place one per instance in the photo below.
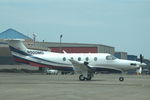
(132, 57)
(75, 49)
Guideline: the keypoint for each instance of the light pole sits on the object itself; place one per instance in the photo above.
(34, 37)
(60, 49)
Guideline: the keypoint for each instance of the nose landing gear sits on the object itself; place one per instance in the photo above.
(121, 79)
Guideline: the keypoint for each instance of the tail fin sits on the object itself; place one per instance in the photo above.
(16, 44)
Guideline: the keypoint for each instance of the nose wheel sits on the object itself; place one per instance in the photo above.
(121, 79)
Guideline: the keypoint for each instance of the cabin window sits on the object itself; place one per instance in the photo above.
(72, 58)
(110, 57)
(79, 59)
(87, 59)
(95, 58)
(64, 58)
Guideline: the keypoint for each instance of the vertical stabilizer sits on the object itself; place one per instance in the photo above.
(17, 44)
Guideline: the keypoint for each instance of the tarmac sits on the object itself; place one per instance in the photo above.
(36, 86)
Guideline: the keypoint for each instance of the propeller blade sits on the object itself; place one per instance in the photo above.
(141, 58)
(139, 71)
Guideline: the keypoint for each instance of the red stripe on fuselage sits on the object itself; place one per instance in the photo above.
(36, 64)
(21, 60)
(39, 65)
(31, 63)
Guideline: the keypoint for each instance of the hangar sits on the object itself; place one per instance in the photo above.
(74, 47)
(121, 55)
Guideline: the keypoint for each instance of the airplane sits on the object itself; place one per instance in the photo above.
(84, 63)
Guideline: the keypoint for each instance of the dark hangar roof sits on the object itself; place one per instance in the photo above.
(12, 34)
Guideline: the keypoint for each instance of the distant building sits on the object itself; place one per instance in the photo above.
(5, 55)
(132, 57)
(76, 47)
(13, 34)
(121, 55)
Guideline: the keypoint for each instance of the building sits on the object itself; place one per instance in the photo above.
(13, 34)
(74, 47)
(121, 55)
(132, 57)
(5, 55)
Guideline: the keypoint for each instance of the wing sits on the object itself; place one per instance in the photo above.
(81, 67)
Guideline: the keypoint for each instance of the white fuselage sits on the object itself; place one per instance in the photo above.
(95, 60)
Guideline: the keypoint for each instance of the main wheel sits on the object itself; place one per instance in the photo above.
(81, 78)
(89, 77)
(121, 79)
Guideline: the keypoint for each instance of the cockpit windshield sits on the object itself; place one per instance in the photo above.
(110, 57)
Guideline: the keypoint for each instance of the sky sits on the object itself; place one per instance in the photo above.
(123, 24)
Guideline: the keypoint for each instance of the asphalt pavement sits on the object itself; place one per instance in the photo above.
(35, 86)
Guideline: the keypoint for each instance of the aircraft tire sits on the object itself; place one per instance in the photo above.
(89, 77)
(81, 78)
(121, 79)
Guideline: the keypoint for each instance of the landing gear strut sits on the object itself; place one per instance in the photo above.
(89, 77)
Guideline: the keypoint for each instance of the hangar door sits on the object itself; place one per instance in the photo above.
(75, 49)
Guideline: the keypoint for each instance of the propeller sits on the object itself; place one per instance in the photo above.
(141, 58)
(139, 70)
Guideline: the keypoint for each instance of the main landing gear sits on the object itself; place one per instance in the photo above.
(88, 78)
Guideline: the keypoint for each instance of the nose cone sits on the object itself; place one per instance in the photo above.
(136, 64)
